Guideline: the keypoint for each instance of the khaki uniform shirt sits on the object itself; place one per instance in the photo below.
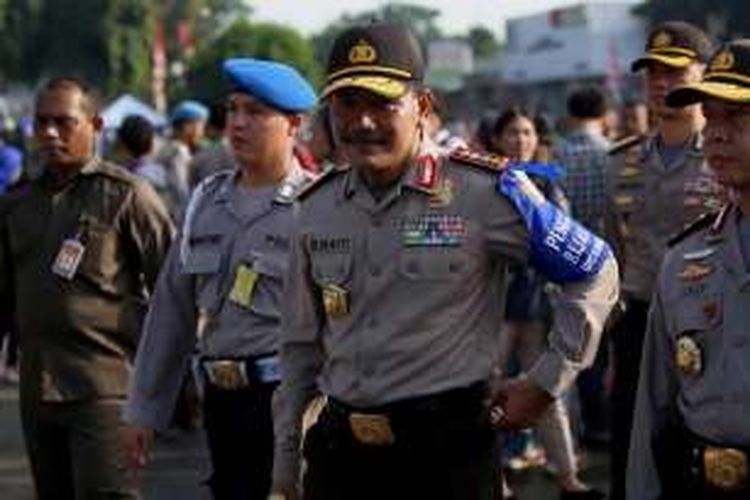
(78, 335)
(397, 298)
(650, 202)
(194, 292)
(696, 352)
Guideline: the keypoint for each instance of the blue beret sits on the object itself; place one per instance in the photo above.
(278, 85)
(189, 110)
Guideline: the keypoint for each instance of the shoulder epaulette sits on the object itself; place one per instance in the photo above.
(703, 221)
(321, 180)
(626, 143)
(487, 161)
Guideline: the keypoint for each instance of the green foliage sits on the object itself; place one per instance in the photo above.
(483, 42)
(244, 39)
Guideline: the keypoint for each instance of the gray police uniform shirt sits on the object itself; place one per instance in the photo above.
(703, 295)
(223, 230)
(420, 317)
(650, 202)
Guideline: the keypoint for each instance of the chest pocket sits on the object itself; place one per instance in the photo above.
(331, 268)
(203, 261)
(100, 258)
(696, 335)
(432, 263)
(266, 299)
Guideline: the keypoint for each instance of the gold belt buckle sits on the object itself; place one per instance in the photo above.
(372, 429)
(725, 468)
(227, 374)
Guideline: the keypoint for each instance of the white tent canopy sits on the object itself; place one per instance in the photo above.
(126, 105)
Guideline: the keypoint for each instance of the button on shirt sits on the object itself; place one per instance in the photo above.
(703, 293)
(227, 226)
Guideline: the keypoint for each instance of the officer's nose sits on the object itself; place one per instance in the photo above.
(46, 129)
(367, 120)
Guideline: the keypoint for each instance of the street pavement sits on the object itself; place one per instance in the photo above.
(180, 465)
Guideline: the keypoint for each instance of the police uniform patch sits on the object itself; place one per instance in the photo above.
(433, 230)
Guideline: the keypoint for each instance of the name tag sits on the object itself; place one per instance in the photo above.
(68, 258)
(245, 279)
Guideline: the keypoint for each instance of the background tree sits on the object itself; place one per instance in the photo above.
(244, 39)
(724, 19)
(483, 43)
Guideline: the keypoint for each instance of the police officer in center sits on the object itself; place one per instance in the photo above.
(657, 184)
(222, 285)
(393, 289)
(80, 250)
(691, 432)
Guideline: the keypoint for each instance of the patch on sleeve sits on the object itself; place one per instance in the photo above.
(560, 248)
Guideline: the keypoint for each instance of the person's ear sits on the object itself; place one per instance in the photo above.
(295, 124)
(424, 101)
(98, 123)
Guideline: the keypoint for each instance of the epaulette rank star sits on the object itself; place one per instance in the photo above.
(714, 220)
(625, 143)
(322, 179)
(487, 161)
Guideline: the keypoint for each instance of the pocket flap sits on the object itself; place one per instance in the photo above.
(202, 261)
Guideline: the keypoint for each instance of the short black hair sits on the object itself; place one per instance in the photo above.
(137, 135)
(587, 103)
(91, 98)
(511, 114)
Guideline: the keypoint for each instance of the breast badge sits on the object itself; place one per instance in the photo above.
(694, 271)
(689, 358)
(335, 301)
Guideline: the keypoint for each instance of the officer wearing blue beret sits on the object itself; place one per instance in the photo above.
(222, 286)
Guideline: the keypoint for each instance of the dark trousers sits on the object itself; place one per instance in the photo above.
(593, 398)
(627, 339)
(75, 450)
(444, 449)
(239, 428)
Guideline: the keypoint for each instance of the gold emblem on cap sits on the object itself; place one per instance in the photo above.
(362, 53)
(661, 40)
(723, 61)
(688, 358)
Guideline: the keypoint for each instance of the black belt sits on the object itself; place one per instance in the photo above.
(241, 373)
(720, 469)
(379, 425)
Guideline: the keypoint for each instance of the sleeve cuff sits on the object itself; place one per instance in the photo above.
(553, 373)
(150, 416)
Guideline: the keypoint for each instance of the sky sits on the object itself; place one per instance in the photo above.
(310, 16)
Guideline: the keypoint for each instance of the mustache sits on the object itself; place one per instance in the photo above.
(365, 137)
